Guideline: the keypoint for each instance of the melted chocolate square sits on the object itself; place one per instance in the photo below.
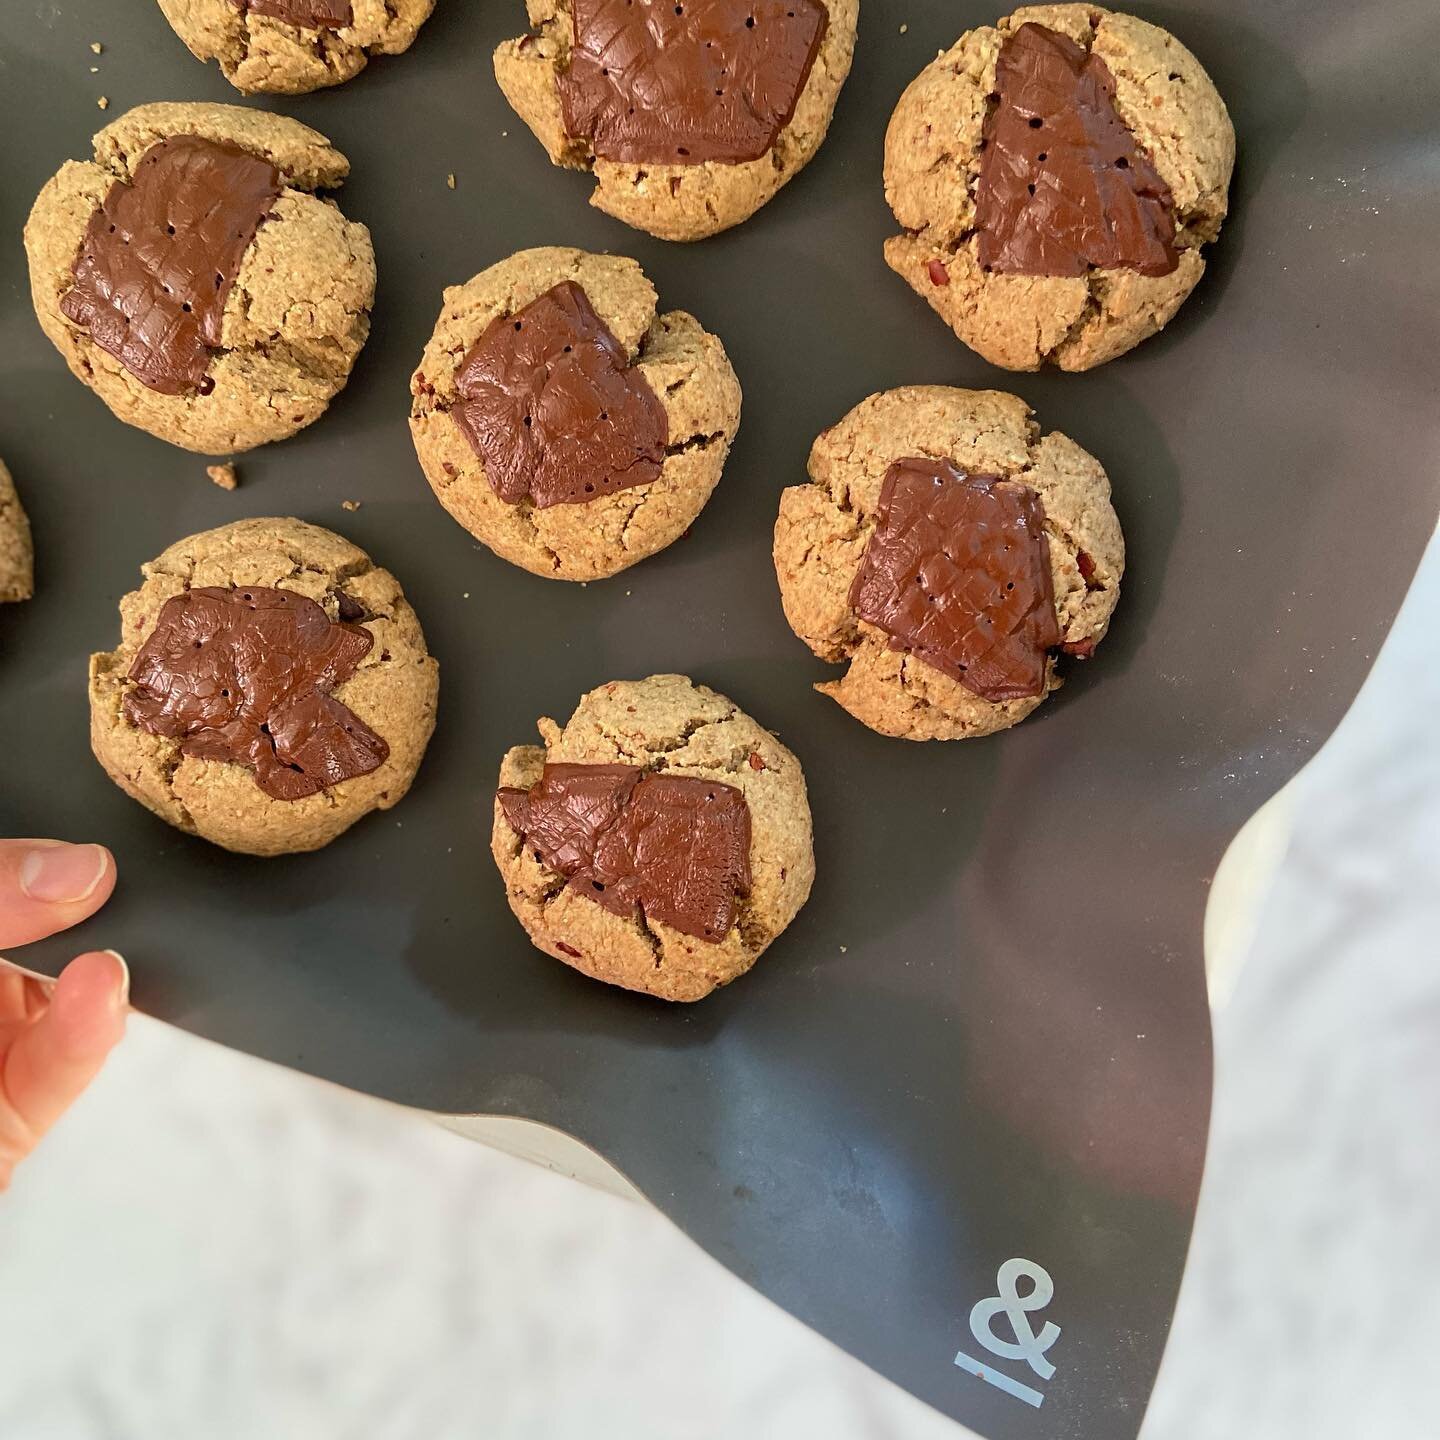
(680, 82)
(161, 253)
(674, 846)
(241, 675)
(552, 406)
(957, 573)
(1064, 186)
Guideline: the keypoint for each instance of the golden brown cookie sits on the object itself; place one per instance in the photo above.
(565, 423)
(991, 550)
(289, 47)
(237, 313)
(17, 553)
(284, 649)
(723, 803)
(1035, 235)
(694, 169)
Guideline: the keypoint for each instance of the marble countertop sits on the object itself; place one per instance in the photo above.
(213, 1247)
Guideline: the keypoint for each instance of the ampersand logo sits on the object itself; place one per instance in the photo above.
(1026, 1343)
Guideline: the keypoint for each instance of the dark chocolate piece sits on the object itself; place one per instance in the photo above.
(307, 14)
(957, 572)
(661, 82)
(241, 675)
(675, 846)
(553, 408)
(161, 253)
(1063, 184)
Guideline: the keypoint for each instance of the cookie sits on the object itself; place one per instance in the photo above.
(270, 688)
(290, 47)
(1057, 175)
(945, 551)
(689, 116)
(191, 276)
(562, 421)
(17, 553)
(659, 841)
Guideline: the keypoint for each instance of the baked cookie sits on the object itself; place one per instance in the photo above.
(659, 841)
(1057, 175)
(192, 278)
(946, 551)
(17, 553)
(562, 421)
(289, 47)
(271, 686)
(690, 116)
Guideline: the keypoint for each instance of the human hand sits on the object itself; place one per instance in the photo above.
(54, 1034)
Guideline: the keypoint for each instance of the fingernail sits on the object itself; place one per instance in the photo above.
(125, 978)
(63, 874)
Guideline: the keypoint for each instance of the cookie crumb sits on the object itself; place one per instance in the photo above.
(223, 475)
(904, 28)
(94, 69)
(349, 504)
(450, 181)
(464, 594)
(97, 47)
(103, 102)
(844, 949)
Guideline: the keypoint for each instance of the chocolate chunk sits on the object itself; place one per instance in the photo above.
(161, 253)
(679, 82)
(241, 675)
(957, 572)
(1064, 185)
(308, 14)
(553, 408)
(676, 847)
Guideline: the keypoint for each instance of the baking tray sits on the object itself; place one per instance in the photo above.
(986, 1036)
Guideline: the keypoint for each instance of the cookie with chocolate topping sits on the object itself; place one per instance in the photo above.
(659, 841)
(192, 276)
(947, 553)
(563, 421)
(271, 687)
(290, 47)
(690, 116)
(1058, 175)
(17, 552)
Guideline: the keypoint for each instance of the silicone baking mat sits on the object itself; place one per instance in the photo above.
(985, 1039)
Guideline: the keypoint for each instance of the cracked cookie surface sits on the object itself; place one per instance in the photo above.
(672, 201)
(825, 526)
(297, 310)
(290, 47)
(392, 691)
(664, 725)
(684, 369)
(934, 153)
(17, 551)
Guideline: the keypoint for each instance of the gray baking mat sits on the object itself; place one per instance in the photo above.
(985, 1039)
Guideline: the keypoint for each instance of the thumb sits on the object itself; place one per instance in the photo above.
(47, 885)
(57, 1054)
